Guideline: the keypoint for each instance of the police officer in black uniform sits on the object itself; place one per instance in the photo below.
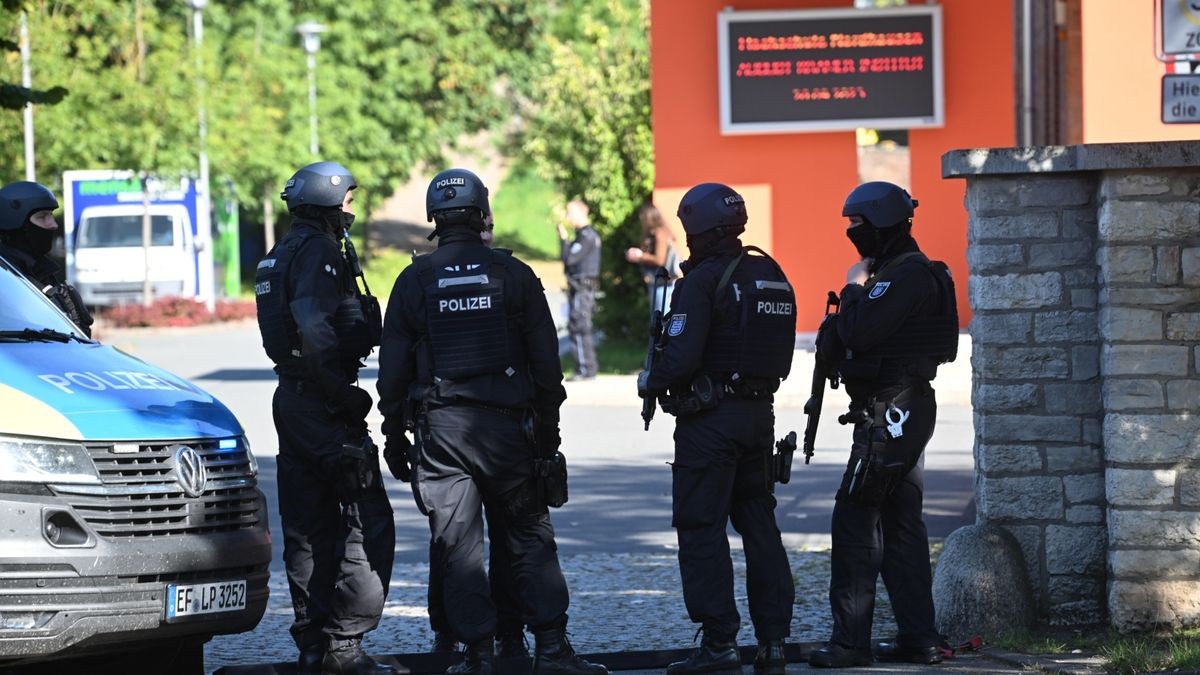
(339, 532)
(27, 231)
(728, 342)
(581, 263)
(896, 323)
(469, 363)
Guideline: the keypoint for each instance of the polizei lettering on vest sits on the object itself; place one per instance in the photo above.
(765, 307)
(465, 304)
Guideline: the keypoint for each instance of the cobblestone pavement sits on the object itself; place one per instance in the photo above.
(619, 601)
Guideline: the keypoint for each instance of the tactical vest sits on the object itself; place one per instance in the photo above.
(925, 340)
(760, 344)
(469, 330)
(352, 321)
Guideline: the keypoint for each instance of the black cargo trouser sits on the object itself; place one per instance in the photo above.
(582, 304)
(890, 539)
(338, 556)
(472, 460)
(500, 579)
(719, 476)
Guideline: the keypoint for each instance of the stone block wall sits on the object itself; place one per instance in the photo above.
(1085, 290)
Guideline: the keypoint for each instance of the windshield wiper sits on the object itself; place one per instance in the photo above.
(43, 335)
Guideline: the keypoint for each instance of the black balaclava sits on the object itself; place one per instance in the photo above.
(878, 243)
(712, 243)
(334, 219)
(31, 239)
(457, 225)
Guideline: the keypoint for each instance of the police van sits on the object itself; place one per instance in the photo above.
(131, 523)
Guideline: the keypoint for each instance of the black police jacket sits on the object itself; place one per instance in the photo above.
(317, 281)
(405, 325)
(870, 316)
(581, 256)
(700, 317)
(48, 277)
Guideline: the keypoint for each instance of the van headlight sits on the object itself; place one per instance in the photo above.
(32, 460)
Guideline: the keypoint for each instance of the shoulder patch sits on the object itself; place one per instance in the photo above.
(677, 324)
(879, 289)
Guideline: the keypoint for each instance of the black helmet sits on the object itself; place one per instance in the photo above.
(711, 205)
(455, 189)
(22, 199)
(881, 204)
(323, 184)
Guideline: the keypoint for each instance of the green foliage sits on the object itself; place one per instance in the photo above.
(591, 137)
(523, 205)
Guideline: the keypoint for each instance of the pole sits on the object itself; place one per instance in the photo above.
(27, 82)
(313, 144)
(203, 195)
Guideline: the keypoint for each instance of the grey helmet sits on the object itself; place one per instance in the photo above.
(711, 205)
(22, 199)
(456, 189)
(323, 185)
(880, 203)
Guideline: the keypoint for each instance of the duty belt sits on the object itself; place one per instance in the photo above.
(515, 413)
(301, 387)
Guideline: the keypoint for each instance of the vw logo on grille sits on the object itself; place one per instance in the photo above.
(193, 477)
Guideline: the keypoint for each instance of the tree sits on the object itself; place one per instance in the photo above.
(591, 136)
(15, 96)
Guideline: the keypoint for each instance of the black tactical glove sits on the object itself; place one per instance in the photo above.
(354, 407)
(547, 439)
(357, 469)
(395, 453)
(642, 378)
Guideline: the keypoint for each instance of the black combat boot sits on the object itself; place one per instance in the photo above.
(511, 645)
(553, 655)
(346, 657)
(834, 655)
(716, 654)
(770, 658)
(477, 659)
(903, 652)
(443, 642)
(309, 661)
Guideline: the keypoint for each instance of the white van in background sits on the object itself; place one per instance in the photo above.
(110, 263)
(102, 227)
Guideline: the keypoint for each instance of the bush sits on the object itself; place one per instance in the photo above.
(176, 311)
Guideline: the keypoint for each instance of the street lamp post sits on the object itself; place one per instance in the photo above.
(310, 36)
(203, 196)
(27, 82)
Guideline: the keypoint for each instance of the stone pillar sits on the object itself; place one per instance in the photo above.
(1036, 390)
(1085, 285)
(1149, 222)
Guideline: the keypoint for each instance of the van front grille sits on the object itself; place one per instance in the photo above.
(140, 494)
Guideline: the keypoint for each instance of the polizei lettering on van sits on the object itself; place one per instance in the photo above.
(465, 304)
(113, 380)
(765, 307)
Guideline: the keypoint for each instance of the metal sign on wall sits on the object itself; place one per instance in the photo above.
(1179, 29)
(823, 70)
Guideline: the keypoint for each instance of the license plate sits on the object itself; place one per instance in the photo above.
(195, 599)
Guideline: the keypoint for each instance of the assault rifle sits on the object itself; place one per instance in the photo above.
(822, 370)
(661, 277)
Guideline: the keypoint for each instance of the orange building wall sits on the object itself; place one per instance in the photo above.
(1122, 78)
(806, 176)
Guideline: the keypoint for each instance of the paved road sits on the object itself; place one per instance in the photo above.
(614, 535)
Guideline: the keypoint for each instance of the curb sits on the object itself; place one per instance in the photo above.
(1040, 663)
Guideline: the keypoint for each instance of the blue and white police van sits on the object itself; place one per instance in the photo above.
(130, 516)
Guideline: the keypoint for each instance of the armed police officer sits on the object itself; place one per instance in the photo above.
(27, 231)
(728, 342)
(469, 364)
(338, 527)
(896, 323)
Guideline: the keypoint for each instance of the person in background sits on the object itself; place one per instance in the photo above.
(658, 250)
(581, 262)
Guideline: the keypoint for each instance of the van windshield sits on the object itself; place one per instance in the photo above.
(113, 231)
(24, 307)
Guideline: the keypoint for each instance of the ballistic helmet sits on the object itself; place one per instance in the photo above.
(711, 205)
(22, 199)
(456, 189)
(323, 184)
(881, 204)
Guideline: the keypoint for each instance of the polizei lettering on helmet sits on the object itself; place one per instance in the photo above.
(447, 182)
(768, 307)
(734, 199)
(465, 304)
